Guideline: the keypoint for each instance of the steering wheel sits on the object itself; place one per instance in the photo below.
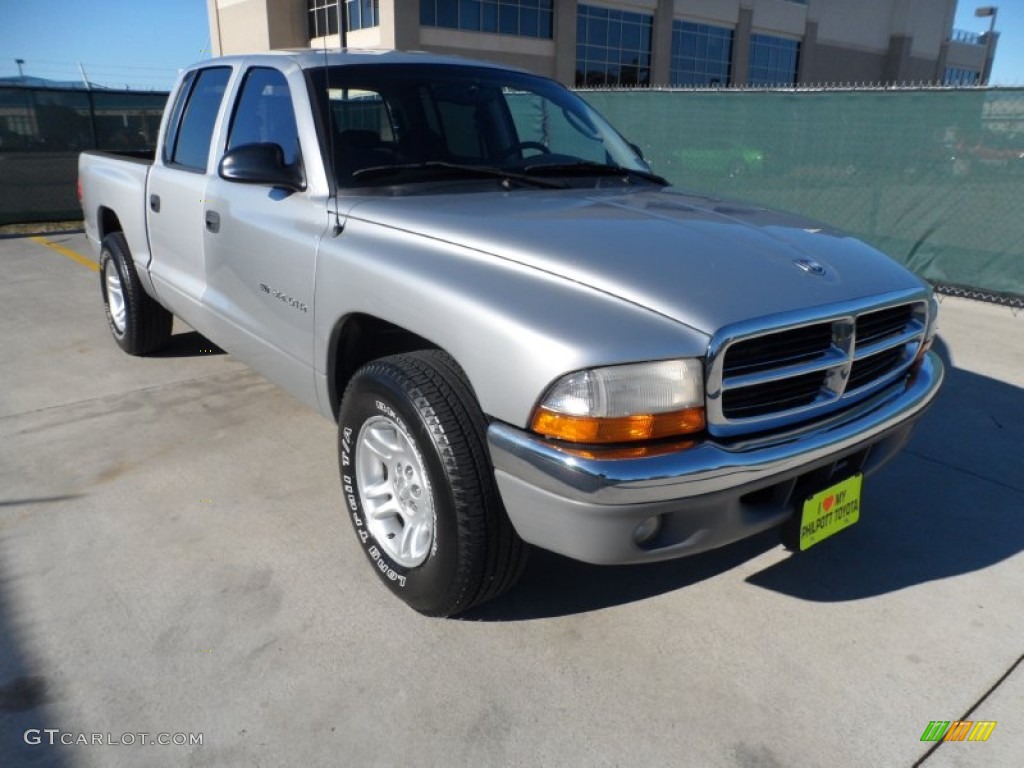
(520, 146)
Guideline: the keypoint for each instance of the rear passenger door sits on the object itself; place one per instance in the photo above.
(175, 199)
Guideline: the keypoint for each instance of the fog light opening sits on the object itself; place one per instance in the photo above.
(647, 530)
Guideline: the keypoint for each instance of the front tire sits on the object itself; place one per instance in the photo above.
(419, 488)
(138, 324)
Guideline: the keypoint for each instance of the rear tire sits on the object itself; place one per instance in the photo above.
(138, 324)
(419, 487)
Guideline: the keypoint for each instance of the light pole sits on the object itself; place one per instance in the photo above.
(343, 23)
(19, 62)
(991, 11)
(988, 10)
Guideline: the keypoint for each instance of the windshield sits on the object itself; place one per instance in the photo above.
(399, 123)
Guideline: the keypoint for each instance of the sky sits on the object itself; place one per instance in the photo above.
(135, 43)
(1009, 64)
(143, 43)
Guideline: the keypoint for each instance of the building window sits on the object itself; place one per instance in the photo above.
(525, 18)
(773, 60)
(362, 14)
(613, 47)
(323, 16)
(701, 54)
(961, 76)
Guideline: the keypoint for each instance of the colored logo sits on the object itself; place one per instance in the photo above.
(958, 730)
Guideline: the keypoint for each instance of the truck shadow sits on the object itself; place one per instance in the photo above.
(950, 504)
(27, 695)
(557, 586)
(188, 344)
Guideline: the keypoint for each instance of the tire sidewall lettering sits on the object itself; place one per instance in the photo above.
(394, 574)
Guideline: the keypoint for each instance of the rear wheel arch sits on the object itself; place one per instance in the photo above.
(108, 222)
(137, 322)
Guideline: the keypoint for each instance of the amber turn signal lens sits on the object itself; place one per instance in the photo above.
(915, 367)
(927, 345)
(621, 429)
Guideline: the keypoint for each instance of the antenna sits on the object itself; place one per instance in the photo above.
(338, 225)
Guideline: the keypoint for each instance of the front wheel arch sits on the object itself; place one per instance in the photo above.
(360, 338)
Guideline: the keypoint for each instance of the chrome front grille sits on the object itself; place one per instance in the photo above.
(802, 367)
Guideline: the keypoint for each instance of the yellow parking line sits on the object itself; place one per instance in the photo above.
(69, 253)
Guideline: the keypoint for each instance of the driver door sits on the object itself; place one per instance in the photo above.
(261, 243)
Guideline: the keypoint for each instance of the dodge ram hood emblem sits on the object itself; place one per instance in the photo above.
(810, 266)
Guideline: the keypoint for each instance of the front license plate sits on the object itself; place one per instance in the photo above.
(832, 510)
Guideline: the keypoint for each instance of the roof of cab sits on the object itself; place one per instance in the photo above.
(315, 57)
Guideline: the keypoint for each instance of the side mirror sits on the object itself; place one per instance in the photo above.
(639, 152)
(260, 164)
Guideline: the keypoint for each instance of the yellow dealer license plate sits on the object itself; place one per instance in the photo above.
(830, 511)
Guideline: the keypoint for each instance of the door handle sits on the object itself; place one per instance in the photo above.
(213, 221)
(154, 203)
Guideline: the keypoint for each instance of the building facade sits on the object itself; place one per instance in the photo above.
(689, 43)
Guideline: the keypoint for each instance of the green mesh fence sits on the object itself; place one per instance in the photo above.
(42, 130)
(935, 178)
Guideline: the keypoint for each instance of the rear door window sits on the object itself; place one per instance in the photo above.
(175, 121)
(191, 142)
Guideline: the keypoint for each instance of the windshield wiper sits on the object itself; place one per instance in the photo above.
(590, 168)
(483, 171)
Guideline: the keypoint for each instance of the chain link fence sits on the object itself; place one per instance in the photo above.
(42, 130)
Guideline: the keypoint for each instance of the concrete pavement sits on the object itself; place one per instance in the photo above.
(174, 559)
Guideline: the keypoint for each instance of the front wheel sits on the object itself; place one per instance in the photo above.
(419, 488)
(138, 324)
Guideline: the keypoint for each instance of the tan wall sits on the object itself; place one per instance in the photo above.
(565, 41)
(241, 25)
(289, 24)
(842, 65)
(249, 26)
(929, 21)
(528, 53)
(722, 13)
(866, 40)
(868, 25)
(779, 17)
(864, 25)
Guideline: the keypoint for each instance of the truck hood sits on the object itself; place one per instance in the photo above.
(701, 261)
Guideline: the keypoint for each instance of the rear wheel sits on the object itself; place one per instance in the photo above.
(138, 324)
(419, 488)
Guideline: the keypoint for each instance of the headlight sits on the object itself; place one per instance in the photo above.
(624, 403)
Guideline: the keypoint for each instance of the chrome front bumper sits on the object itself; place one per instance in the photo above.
(711, 494)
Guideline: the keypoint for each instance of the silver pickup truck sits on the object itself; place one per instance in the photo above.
(525, 336)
